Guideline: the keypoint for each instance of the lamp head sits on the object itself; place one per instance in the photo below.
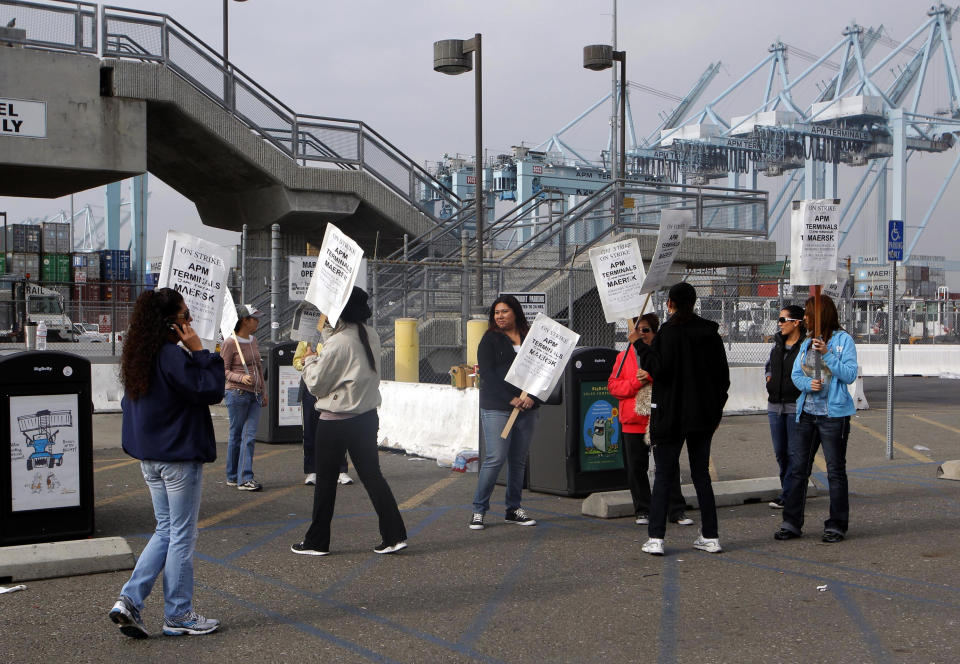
(449, 58)
(597, 57)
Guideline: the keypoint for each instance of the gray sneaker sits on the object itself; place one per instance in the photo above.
(250, 485)
(190, 623)
(125, 614)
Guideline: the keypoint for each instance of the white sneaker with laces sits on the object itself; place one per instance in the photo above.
(344, 479)
(642, 520)
(653, 546)
(708, 544)
(310, 479)
(684, 521)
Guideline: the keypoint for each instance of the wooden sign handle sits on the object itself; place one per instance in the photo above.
(513, 418)
(321, 321)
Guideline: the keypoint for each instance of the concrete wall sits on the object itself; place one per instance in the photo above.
(91, 140)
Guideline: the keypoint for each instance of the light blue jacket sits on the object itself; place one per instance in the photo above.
(841, 360)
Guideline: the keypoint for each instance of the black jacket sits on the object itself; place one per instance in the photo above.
(780, 387)
(690, 378)
(495, 354)
(171, 422)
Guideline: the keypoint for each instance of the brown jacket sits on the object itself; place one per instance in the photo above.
(233, 367)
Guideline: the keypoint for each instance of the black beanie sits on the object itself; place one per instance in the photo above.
(683, 295)
(357, 310)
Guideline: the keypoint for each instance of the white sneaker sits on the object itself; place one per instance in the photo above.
(310, 479)
(710, 545)
(653, 546)
(642, 520)
(684, 520)
(344, 479)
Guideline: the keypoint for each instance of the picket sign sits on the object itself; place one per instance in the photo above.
(335, 274)
(197, 269)
(618, 272)
(228, 321)
(673, 230)
(540, 361)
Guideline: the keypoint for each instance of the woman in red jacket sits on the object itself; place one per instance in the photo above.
(628, 383)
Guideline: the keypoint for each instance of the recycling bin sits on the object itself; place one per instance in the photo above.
(577, 446)
(280, 420)
(46, 483)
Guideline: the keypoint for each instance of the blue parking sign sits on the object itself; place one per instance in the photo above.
(895, 240)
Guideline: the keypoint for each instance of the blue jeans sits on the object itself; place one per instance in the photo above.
(833, 433)
(783, 428)
(175, 487)
(513, 451)
(244, 410)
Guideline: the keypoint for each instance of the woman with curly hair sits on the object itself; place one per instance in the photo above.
(168, 391)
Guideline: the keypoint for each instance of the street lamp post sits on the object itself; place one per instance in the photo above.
(598, 57)
(452, 56)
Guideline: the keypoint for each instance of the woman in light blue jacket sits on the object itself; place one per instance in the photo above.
(824, 408)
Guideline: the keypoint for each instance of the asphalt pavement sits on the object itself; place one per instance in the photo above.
(571, 589)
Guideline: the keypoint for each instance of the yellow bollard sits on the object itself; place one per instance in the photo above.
(406, 359)
(475, 329)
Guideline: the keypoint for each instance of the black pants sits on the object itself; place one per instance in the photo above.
(637, 458)
(359, 436)
(309, 415)
(667, 456)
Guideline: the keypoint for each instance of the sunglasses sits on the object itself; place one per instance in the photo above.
(788, 320)
(184, 316)
(644, 330)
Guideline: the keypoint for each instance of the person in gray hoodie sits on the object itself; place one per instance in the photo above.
(345, 378)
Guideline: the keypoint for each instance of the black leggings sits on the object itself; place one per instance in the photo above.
(359, 436)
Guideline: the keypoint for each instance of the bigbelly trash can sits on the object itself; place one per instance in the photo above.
(280, 420)
(46, 478)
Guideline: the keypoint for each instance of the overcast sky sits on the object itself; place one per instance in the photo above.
(371, 60)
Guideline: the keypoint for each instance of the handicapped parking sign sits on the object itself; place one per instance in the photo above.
(895, 240)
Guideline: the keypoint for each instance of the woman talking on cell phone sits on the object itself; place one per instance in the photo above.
(168, 391)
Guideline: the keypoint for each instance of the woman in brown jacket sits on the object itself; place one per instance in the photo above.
(245, 395)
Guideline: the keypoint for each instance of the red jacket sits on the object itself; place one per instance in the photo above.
(623, 385)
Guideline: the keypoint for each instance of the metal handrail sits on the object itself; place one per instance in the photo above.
(79, 10)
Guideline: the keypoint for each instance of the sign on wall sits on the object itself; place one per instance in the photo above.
(19, 117)
(300, 272)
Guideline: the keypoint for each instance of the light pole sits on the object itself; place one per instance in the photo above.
(226, 30)
(452, 56)
(598, 57)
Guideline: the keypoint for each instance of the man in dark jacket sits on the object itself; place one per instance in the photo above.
(690, 382)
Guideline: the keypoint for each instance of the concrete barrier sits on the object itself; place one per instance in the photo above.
(910, 360)
(434, 421)
(106, 387)
(29, 562)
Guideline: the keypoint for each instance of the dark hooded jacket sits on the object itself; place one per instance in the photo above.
(690, 378)
(780, 387)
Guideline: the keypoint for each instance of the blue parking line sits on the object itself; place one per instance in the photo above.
(870, 637)
(303, 627)
(256, 544)
(352, 610)
(669, 613)
(503, 590)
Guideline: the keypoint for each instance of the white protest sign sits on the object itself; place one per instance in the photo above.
(835, 289)
(229, 318)
(300, 272)
(197, 269)
(814, 230)
(335, 273)
(618, 271)
(542, 357)
(305, 320)
(673, 228)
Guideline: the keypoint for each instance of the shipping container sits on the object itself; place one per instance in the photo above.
(86, 259)
(22, 238)
(3, 264)
(24, 264)
(770, 289)
(114, 265)
(86, 294)
(55, 238)
(86, 275)
(55, 268)
(115, 290)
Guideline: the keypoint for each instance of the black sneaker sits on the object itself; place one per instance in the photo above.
(126, 615)
(476, 521)
(519, 517)
(304, 550)
(831, 537)
(383, 547)
(785, 534)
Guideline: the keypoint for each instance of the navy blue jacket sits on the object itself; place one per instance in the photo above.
(171, 422)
